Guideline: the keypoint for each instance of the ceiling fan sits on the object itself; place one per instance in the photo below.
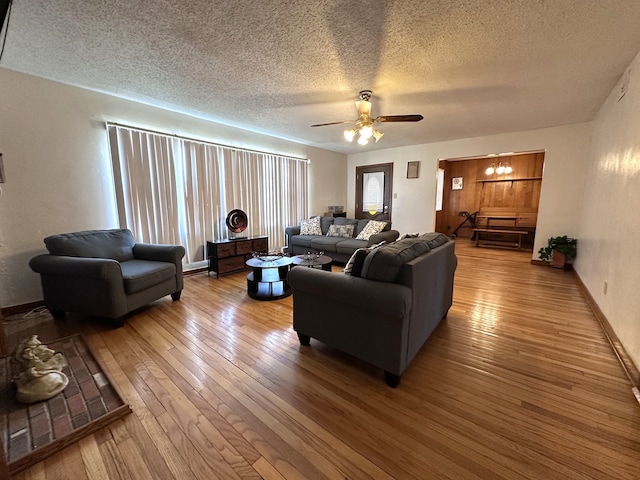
(364, 125)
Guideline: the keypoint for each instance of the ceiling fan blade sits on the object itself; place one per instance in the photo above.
(332, 123)
(399, 118)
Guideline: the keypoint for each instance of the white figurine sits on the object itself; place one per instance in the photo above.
(40, 376)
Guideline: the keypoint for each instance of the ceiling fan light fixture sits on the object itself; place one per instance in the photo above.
(349, 134)
(363, 107)
(364, 123)
(366, 132)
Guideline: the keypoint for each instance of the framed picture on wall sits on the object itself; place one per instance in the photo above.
(413, 169)
(456, 183)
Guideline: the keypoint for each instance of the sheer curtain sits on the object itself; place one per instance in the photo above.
(178, 190)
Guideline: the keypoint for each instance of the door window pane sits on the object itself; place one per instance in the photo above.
(372, 192)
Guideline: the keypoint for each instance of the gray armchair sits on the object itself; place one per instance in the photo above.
(106, 274)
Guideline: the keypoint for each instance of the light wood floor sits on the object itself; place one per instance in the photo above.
(518, 382)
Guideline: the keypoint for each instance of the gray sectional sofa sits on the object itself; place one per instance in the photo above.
(386, 309)
(338, 248)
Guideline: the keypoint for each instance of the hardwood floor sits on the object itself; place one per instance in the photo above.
(518, 382)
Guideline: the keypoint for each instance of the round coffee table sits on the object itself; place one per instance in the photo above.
(323, 262)
(268, 280)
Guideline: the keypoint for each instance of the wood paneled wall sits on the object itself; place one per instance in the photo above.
(519, 190)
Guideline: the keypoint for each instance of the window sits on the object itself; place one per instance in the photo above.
(373, 192)
(177, 190)
(439, 189)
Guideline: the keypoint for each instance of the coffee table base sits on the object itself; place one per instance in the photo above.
(323, 262)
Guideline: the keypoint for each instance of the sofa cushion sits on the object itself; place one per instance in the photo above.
(345, 221)
(325, 224)
(344, 231)
(350, 245)
(384, 264)
(302, 240)
(326, 244)
(311, 226)
(139, 275)
(371, 228)
(116, 244)
(434, 239)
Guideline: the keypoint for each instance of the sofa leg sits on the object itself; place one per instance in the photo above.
(119, 321)
(57, 314)
(392, 379)
(304, 339)
(176, 295)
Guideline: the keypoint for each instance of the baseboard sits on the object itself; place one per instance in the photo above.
(631, 371)
(27, 307)
(16, 309)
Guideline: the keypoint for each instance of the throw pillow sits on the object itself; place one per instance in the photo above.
(344, 231)
(409, 235)
(354, 265)
(356, 262)
(371, 228)
(311, 226)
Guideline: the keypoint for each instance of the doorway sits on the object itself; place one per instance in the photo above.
(485, 185)
(374, 184)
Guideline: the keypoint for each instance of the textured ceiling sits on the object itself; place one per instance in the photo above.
(471, 67)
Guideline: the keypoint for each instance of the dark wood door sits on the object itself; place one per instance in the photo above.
(374, 184)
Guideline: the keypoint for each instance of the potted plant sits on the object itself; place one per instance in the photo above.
(560, 251)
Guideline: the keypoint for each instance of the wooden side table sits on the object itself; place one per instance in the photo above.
(229, 255)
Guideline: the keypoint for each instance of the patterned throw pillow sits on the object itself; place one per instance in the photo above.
(344, 231)
(371, 228)
(311, 226)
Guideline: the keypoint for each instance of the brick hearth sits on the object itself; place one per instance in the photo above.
(40, 429)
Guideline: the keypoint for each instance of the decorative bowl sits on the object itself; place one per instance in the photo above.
(270, 256)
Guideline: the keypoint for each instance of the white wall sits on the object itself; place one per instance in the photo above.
(58, 172)
(610, 215)
(566, 159)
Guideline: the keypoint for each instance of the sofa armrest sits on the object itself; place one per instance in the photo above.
(386, 237)
(290, 232)
(60, 265)
(333, 289)
(159, 253)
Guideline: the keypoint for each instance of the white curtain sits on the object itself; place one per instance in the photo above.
(271, 189)
(177, 190)
(202, 206)
(148, 203)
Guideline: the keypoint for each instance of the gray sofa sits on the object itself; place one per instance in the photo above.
(105, 273)
(386, 310)
(338, 248)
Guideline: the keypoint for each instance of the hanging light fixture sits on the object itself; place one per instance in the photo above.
(501, 169)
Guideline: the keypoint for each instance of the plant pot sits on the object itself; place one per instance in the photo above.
(558, 260)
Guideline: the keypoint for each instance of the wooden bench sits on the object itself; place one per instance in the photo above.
(517, 234)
